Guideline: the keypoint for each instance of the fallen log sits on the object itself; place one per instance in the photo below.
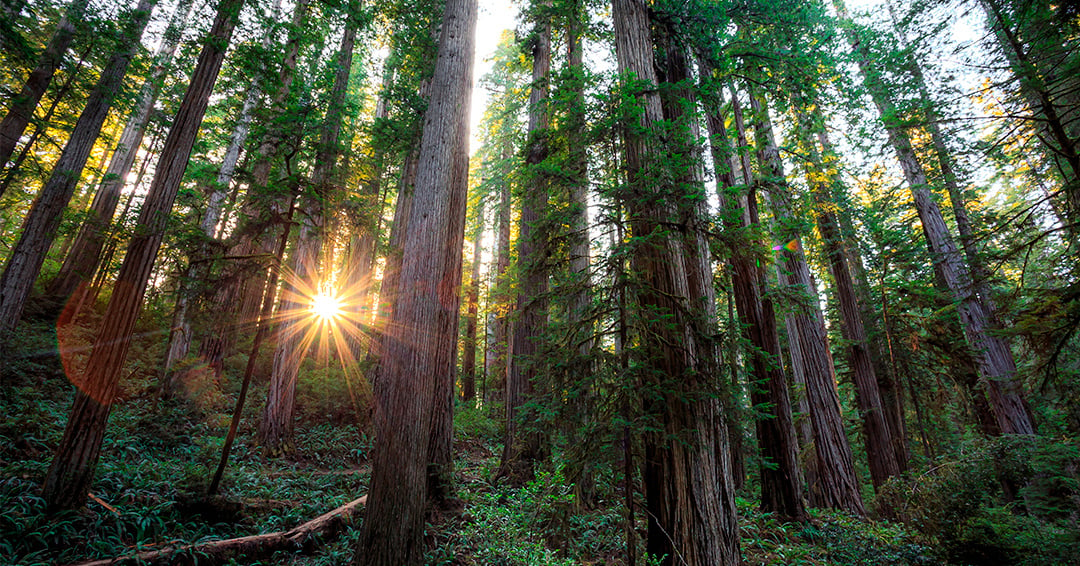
(299, 539)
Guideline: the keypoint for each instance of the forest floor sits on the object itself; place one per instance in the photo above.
(158, 457)
(156, 462)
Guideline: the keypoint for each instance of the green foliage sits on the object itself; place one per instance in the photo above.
(830, 538)
(531, 525)
(478, 424)
(327, 393)
(1006, 500)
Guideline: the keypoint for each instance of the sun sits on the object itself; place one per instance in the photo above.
(327, 307)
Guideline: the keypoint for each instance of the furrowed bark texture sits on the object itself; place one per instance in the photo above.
(414, 358)
(687, 479)
(441, 440)
(72, 469)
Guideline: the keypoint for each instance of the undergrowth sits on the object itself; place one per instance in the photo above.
(158, 457)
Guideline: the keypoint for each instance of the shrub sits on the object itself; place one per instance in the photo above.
(1007, 500)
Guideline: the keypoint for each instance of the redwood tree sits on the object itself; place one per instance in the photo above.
(687, 474)
(70, 475)
(39, 227)
(413, 356)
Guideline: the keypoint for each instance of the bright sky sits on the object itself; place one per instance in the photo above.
(494, 17)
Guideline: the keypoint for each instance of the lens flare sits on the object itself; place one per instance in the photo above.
(792, 246)
(326, 307)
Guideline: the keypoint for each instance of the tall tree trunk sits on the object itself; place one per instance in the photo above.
(240, 297)
(892, 397)
(810, 342)
(687, 471)
(388, 287)
(992, 353)
(521, 449)
(964, 368)
(366, 219)
(500, 346)
(297, 330)
(22, 106)
(82, 260)
(71, 472)
(781, 489)
(880, 446)
(472, 300)
(39, 228)
(413, 359)
(440, 448)
(837, 485)
(736, 412)
(582, 327)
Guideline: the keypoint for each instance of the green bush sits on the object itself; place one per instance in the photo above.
(327, 394)
(1007, 500)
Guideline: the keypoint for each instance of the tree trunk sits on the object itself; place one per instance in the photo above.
(180, 334)
(440, 449)
(81, 262)
(580, 470)
(240, 297)
(521, 449)
(837, 485)
(880, 444)
(992, 353)
(811, 344)
(781, 489)
(472, 299)
(496, 359)
(687, 472)
(881, 354)
(366, 220)
(413, 359)
(297, 329)
(71, 472)
(39, 228)
(22, 106)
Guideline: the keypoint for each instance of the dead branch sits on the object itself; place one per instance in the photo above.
(300, 539)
